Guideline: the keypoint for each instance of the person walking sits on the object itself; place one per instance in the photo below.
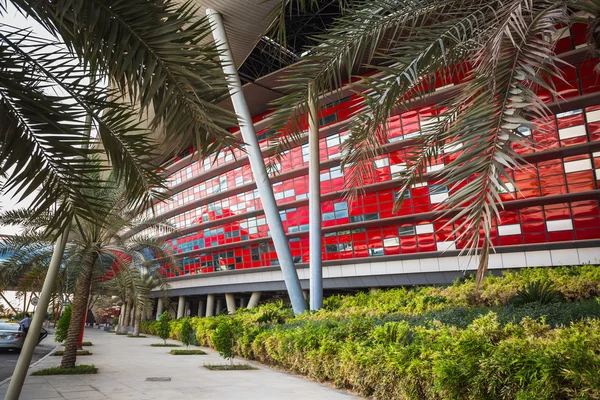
(25, 322)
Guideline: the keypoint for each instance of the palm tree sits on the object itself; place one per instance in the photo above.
(133, 288)
(130, 67)
(504, 48)
(93, 248)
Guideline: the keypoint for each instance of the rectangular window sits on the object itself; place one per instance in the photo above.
(406, 231)
(328, 119)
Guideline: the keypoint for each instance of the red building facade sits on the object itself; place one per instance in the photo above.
(218, 212)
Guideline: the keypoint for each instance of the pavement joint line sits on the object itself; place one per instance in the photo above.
(32, 365)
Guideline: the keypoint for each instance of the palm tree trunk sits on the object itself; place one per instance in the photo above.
(125, 318)
(138, 320)
(132, 314)
(79, 312)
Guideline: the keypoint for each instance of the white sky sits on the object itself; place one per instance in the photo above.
(13, 18)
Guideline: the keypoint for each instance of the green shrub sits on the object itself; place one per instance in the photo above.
(187, 352)
(187, 333)
(432, 343)
(541, 292)
(62, 326)
(224, 337)
(77, 370)
(162, 327)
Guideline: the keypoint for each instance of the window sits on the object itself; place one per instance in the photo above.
(406, 231)
(406, 195)
(377, 251)
(328, 119)
(371, 217)
(328, 216)
(384, 162)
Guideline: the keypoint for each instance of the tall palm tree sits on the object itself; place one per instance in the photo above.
(504, 48)
(93, 249)
(130, 67)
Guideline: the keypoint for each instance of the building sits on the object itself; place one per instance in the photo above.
(224, 246)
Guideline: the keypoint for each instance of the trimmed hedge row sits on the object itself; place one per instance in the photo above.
(435, 342)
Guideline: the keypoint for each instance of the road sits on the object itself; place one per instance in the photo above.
(8, 358)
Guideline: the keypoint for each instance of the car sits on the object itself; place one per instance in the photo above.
(12, 337)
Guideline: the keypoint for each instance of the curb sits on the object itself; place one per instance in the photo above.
(32, 365)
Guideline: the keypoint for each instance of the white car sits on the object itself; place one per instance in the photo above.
(12, 337)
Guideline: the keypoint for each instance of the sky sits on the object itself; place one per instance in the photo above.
(7, 201)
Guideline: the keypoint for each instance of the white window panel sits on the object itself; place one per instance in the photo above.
(571, 132)
(597, 173)
(509, 186)
(444, 246)
(333, 140)
(596, 154)
(569, 113)
(427, 228)
(395, 168)
(579, 165)
(289, 193)
(593, 116)
(390, 242)
(279, 196)
(559, 225)
(452, 147)
(428, 123)
(438, 198)
(384, 162)
(436, 167)
(511, 229)
(418, 185)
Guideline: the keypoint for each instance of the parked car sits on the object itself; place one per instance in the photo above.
(12, 337)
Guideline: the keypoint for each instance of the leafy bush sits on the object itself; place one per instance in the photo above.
(537, 292)
(224, 337)
(79, 369)
(187, 333)
(62, 326)
(431, 343)
(163, 328)
(187, 352)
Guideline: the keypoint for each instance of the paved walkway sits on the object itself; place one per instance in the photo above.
(125, 363)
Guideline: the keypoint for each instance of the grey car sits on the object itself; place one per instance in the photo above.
(12, 337)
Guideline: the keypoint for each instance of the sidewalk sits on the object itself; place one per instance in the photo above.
(124, 364)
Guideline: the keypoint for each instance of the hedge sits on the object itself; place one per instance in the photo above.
(437, 342)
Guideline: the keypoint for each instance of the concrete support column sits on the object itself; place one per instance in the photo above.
(219, 306)
(230, 299)
(210, 305)
(201, 308)
(314, 204)
(373, 290)
(159, 307)
(242, 302)
(254, 299)
(181, 307)
(257, 164)
(187, 309)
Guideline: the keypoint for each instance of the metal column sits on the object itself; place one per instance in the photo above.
(210, 305)
(257, 164)
(230, 301)
(254, 299)
(181, 307)
(159, 308)
(314, 205)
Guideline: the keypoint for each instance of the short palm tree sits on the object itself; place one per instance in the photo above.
(93, 249)
(132, 288)
(504, 48)
(119, 69)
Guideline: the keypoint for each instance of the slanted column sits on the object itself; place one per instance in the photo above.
(254, 299)
(201, 308)
(219, 306)
(314, 204)
(230, 299)
(159, 308)
(242, 302)
(181, 307)
(257, 164)
(210, 305)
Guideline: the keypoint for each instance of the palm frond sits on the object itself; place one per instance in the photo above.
(156, 52)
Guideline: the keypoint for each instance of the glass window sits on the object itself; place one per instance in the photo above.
(342, 205)
(406, 230)
(328, 216)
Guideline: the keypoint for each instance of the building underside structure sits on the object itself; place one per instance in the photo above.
(224, 245)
